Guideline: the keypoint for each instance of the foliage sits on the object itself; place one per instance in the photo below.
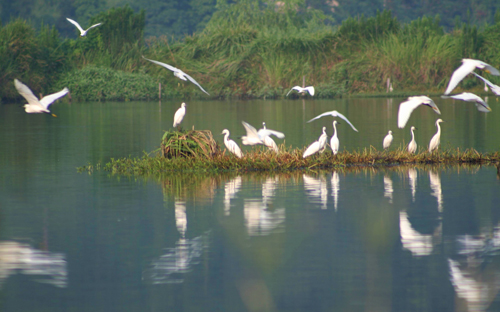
(193, 143)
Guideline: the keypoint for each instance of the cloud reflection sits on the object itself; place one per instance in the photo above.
(47, 267)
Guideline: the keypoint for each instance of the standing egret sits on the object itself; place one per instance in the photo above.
(301, 90)
(178, 73)
(412, 146)
(434, 144)
(265, 133)
(494, 88)
(407, 107)
(34, 105)
(387, 140)
(468, 65)
(82, 32)
(231, 145)
(481, 105)
(317, 146)
(179, 115)
(334, 141)
(335, 114)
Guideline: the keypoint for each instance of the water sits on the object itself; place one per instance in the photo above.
(394, 239)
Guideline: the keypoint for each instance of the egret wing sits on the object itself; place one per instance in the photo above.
(49, 99)
(405, 110)
(195, 82)
(76, 24)
(267, 132)
(312, 149)
(93, 26)
(296, 88)
(494, 88)
(459, 74)
(335, 114)
(26, 93)
(252, 136)
(310, 90)
(163, 65)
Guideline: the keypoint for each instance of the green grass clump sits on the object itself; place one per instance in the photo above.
(193, 143)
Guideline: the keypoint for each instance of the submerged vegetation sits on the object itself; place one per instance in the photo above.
(247, 50)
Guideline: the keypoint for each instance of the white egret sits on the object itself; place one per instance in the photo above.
(335, 114)
(412, 146)
(407, 107)
(179, 115)
(494, 88)
(481, 105)
(178, 73)
(252, 137)
(317, 146)
(301, 90)
(231, 145)
(82, 32)
(334, 141)
(34, 105)
(468, 65)
(434, 144)
(265, 133)
(387, 140)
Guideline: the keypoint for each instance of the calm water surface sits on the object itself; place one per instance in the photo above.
(422, 238)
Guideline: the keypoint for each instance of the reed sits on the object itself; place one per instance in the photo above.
(198, 144)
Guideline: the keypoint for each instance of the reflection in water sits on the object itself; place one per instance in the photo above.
(168, 268)
(436, 187)
(388, 190)
(418, 244)
(316, 188)
(230, 189)
(180, 217)
(268, 189)
(335, 188)
(412, 176)
(262, 221)
(48, 267)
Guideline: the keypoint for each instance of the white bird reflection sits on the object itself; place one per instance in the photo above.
(316, 188)
(268, 190)
(335, 189)
(412, 177)
(230, 189)
(170, 267)
(180, 217)
(48, 267)
(418, 244)
(479, 287)
(261, 221)
(388, 190)
(436, 187)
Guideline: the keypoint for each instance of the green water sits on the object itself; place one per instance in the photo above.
(390, 239)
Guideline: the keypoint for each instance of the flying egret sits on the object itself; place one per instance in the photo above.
(481, 105)
(387, 140)
(407, 107)
(317, 146)
(34, 105)
(82, 32)
(231, 145)
(301, 90)
(434, 144)
(412, 146)
(335, 114)
(178, 73)
(179, 115)
(265, 135)
(494, 88)
(252, 137)
(334, 141)
(468, 65)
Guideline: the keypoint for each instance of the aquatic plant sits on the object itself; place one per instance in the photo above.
(193, 143)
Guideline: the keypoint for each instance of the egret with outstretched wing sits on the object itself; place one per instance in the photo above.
(82, 32)
(468, 65)
(481, 105)
(34, 105)
(407, 107)
(301, 90)
(335, 114)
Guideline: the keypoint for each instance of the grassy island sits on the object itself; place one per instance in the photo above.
(196, 151)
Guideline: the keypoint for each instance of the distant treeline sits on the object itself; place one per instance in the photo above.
(246, 50)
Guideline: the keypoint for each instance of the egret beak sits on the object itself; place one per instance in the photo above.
(437, 110)
(54, 115)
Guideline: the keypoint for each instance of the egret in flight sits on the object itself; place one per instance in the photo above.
(334, 141)
(468, 65)
(254, 137)
(335, 114)
(434, 144)
(407, 107)
(494, 88)
(34, 105)
(481, 105)
(179, 115)
(265, 135)
(82, 32)
(412, 146)
(317, 146)
(231, 145)
(301, 90)
(178, 73)
(387, 140)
